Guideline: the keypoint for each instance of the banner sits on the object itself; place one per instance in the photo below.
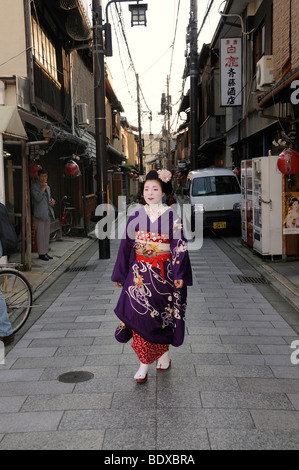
(231, 71)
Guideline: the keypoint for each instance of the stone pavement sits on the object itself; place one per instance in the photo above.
(63, 251)
(231, 385)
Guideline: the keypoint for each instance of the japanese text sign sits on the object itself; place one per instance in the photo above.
(231, 71)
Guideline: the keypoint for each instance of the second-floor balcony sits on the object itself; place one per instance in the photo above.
(212, 128)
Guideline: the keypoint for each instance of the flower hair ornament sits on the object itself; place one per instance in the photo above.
(164, 175)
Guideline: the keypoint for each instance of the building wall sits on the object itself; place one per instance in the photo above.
(83, 89)
(295, 29)
(285, 36)
(132, 149)
(281, 35)
(12, 34)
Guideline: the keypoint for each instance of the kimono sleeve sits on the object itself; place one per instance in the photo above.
(181, 266)
(126, 254)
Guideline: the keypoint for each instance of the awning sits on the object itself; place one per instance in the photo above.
(152, 159)
(60, 135)
(264, 98)
(11, 124)
(35, 121)
(211, 141)
(185, 104)
(91, 144)
(116, 156)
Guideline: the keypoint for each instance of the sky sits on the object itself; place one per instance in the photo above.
(157, 51)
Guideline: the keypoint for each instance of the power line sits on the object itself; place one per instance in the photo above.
(205, 17)
(129, 53)
(175, 33)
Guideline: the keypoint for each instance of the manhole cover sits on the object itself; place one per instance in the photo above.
(77, 269)
(75, 377)
(239, 279)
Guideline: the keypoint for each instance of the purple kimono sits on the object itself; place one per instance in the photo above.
(151, 256)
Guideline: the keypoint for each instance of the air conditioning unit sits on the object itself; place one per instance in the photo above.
(82, 114)
(264, 72)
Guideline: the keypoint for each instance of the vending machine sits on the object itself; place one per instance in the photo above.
(247, 208)
(267, 206)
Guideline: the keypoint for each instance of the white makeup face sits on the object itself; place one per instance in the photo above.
(152, 192)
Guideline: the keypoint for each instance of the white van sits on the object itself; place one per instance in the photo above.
(216, 193)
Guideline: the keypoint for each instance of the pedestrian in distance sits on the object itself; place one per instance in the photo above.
(153, 269)
(8, 245)
(43, 213)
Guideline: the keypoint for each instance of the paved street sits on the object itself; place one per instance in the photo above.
(231, 385)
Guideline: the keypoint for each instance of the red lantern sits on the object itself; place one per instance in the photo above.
(237, 172)
(33, 169)
(288, 162)
(72, 169)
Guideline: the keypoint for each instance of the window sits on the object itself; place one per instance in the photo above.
(259, 45)
(43, 50)
(215, 186)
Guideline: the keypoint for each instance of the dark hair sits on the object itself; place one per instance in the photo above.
(42, 172)
(166, 187)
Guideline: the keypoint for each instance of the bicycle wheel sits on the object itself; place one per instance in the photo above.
(18, 296)
(67, 223)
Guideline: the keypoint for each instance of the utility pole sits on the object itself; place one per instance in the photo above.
(168, 130)
(100, 116)
(194, 128)
(140, 148)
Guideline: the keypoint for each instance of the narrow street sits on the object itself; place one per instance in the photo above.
(231, 385)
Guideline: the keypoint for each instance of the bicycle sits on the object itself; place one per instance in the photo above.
(18, 295)
(66, 218)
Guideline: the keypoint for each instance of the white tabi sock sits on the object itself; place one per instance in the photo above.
(142, 371)
(163, 361)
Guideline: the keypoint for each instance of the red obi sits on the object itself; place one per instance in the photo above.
(154, 261)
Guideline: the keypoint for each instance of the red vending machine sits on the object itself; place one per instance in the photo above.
(247, 202)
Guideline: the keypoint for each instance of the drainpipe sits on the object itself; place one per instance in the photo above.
(30, 76)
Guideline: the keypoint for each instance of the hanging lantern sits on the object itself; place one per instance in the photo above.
(237, 172)
(138, 14)
(33, 169)
(288, 162)
(72, 169)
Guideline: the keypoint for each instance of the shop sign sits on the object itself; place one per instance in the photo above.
(231, 71)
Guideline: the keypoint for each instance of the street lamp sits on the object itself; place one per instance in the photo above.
(138, 13)
(100, 49)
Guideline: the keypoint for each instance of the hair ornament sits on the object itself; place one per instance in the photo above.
(164, 175)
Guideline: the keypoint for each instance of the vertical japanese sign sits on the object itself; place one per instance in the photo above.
(231, 71)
